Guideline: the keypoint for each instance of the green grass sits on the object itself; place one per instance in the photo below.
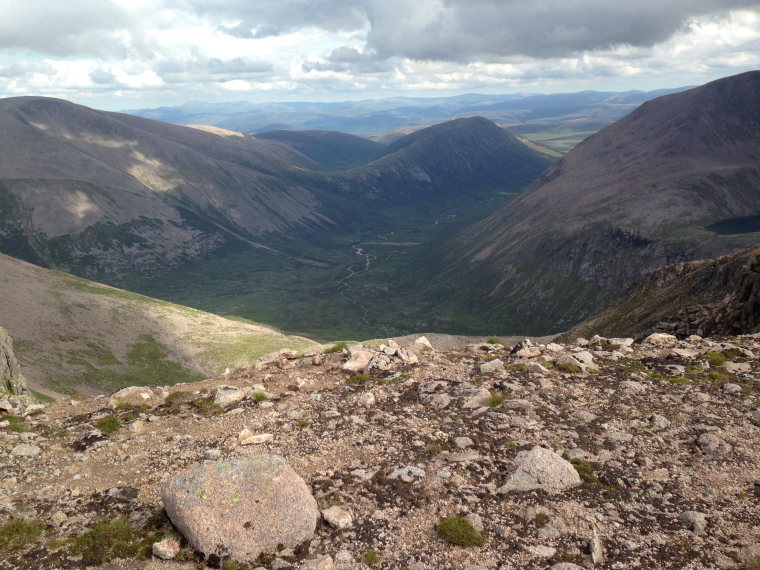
(568, 367)
(371, 557)
(493, 340)
(459, 531)
(206, 407)
(109, 425)
(16, 423)
(495, 400)
(336, 348)
(110, 540)
(714, 358)
(42, 398)
(260, 396)
(18, 534)
(360, 379)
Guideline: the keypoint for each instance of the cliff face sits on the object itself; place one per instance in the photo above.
(13, 381)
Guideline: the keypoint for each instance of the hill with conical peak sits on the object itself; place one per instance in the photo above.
(73, 335)
(464, 157)
(663, 185)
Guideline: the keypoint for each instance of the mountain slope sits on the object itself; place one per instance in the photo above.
(471, 157)
(636, 196)
(76, 335)
(707, 297)
(106, 192)
(332, 150)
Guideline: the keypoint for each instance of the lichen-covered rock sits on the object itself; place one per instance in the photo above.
(541, 468)
(241, 508)
(10, 372)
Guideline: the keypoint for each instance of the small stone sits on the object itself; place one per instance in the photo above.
(407, 474)
(320, 563)
(246, 437)
(58, 518)
(463, 442)
(543, 551)
(596, 548)
(358, 359)
(227, 395)
(537, 368)
(337, 517)
(657, 421)
(137, 427)
(166, 549)
(366, 399)
(694, 521)
(422, 344)
(732, 388)
(212, 454)
(476, 521)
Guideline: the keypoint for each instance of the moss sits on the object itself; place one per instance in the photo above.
(459, 531)
(109, 540)
(337, 347)
(109, 425)
(584, 469)
(360, 379)
(17, 534)
(371, 557)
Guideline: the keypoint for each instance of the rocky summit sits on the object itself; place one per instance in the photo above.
(600, 453)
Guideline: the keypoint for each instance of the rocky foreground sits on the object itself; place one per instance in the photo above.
(597, 454)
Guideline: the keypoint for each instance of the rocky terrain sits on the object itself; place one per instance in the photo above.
(600, 453)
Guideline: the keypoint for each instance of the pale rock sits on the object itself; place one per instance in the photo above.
(554, 347)
(476, 521)
(491, 366)
(622, 341)
(358, 359)
(711, 444)
(537, 368)
(366, 399)
(407, 474)
(633, 387)
(246, 437)
(463, 442)
(657, 421)
(241, 508)
(584, 357)
(527, 352)
(694, 521)
(337, 517)
(58, 518)
(580, 341)
(596, 548)
(661, 339)
(541, 468)
(407, 356)
(166, 549)
(137, 427)
(568, 359)
(750, 552)
(227, 395)
(565, 566)
(737, 367)
(732, 388)
(542, 551)
(212, 454)
(130, 395)
(25, 450)
(472, 396)
(422, 344)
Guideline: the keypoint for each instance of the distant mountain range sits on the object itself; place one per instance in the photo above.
(676, 180)
(553, 119)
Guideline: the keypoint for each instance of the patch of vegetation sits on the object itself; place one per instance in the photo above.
(718, 376)
(371, 557)
(608, 346)
(16, 423)
(207, 407)
(17, 534)
(630, 365)
(589, 477)
(714, 358)
(360, 379)
(304, 423)
(490, 358)
(459, 531)
(434, 448)
(568, 367)
(519, 367)
(260, 396)
(109, 424)
(42, 398)
(109, 540)
(230, 565)
(495, 400)
(337, 347)
(493, 340)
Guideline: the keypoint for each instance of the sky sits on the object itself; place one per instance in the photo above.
(128, 54)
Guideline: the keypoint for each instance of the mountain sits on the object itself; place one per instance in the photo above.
(106, 192)
(470, 156)
(333, 150)
(641, 194)
(73, 335)
(711, 297)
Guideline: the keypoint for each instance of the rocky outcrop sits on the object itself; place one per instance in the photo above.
(10, 372)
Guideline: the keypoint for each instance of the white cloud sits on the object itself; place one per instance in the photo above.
(169, 51)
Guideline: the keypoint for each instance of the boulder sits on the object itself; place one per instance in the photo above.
(241, 508)
(10, 372)
(358, 359)
(422, 345)
(228, 395)
(491, 366)
(661, 339)
(541, 468)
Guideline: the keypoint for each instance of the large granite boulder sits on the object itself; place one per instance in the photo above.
(241, 508)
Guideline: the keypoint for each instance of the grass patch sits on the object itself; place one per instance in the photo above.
(459, 531)
(493, 340)
(371, 557)
(304, 423)
(519, 367)
(337, 347)
(434, 448)
(495, 400)
(207, 407)
(359, 379)
(109, 540)
(260, 396)
(17, 534)
(109, 425)
(42, 398)
(718, 376)
(16, 423)
(715, 358)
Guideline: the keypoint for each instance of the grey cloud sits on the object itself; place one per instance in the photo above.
(74, 27)
(102, 77)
